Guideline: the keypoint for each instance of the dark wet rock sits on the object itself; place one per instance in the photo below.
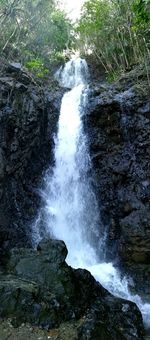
(135, 234)
(56, 250)
(14, 67)
(99, 324)
(118, 130)
(41, 289)
(28, 120)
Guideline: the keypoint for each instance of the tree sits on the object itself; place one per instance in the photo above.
(33, 29)
(116, 32)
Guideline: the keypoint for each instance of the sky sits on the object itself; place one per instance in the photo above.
(72, 7)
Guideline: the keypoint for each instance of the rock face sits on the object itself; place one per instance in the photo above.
(118, 129)
(28, 120)
(37, 286)
(40, 288)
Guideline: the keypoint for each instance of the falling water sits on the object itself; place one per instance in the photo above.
(71, 206)
(71, 209)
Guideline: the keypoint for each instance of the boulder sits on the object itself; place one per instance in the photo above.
(41, 289)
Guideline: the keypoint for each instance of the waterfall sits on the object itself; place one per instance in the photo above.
(71, 209)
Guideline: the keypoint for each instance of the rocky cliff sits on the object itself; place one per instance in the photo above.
(118, 129)
(28, 120)
(49, 292)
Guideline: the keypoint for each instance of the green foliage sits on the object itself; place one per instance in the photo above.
(33, 30)
(58, 57)
(37, 67)
(141, 9)
(112, 76)
(36, 32)
(116, 32)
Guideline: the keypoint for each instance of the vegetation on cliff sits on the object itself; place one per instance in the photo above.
(116, 32)
(33, 32)
(38, 33)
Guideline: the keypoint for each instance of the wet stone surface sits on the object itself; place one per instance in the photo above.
(40, 289)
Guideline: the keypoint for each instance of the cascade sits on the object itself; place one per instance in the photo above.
(71, 210)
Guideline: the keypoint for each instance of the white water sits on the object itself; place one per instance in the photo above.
(71, 208)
